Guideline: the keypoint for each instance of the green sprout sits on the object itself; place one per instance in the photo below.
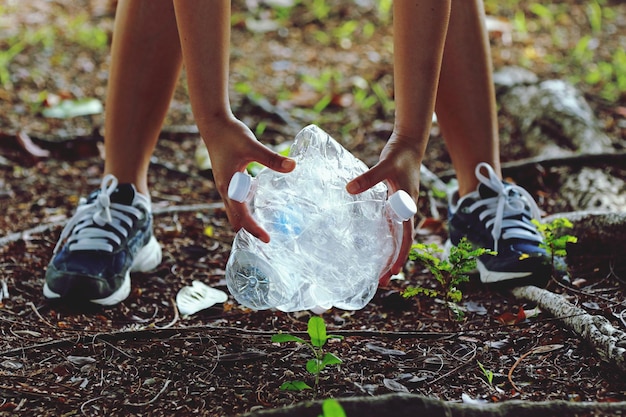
(555, 243)
(318, 338)
(449, 273)
(332, 408)
(487, 373)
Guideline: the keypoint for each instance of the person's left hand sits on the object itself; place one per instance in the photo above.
(399, 166)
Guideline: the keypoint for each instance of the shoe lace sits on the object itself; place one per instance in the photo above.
(503, 213)
(87, 229)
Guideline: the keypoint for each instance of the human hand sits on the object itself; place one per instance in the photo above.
(399, 166)
(232, 146)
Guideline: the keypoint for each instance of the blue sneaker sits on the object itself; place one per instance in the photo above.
(109, 236)
(497, 216)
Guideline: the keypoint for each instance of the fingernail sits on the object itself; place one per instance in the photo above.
(288, 163)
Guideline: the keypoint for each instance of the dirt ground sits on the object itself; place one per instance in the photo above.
(141, 357)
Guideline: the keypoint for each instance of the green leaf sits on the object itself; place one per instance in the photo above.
(314, 366)
(73, 108)
(317, 331)
(294, 386)
(330, 359)
(285, 337)
(332, 408)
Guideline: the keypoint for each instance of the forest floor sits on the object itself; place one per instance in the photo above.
(141, 357)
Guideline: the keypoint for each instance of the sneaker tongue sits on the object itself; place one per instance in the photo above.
(486, 192)
(123, 194)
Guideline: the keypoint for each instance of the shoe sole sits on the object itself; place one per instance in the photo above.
(148, 258)
(491, 277)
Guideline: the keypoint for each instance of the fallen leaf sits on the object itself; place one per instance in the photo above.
(474, 307)
(498, 344)
(592, 305)
(430, 225)
(508, 318)
(469, 400)
(72, 108)
(546, 348)
(384, 351)
(395, 386)
(533, 312)
(11, 364)
(80, 360)
(8, 406)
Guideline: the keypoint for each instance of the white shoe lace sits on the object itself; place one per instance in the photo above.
(85, 230)
(510, 201)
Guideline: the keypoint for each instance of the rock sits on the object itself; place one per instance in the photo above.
(552, 115)
(509, 77)
(593, 189)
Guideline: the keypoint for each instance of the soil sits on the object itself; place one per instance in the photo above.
(142, 358)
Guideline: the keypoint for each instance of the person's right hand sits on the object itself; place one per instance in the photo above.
(232, 146)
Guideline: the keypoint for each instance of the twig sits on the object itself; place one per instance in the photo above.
(458, 368)
(42, 228)
(165, 385)
(112, 346)
(83, 405)
(522, 165)
(156, 333)
(186, 208)
(176, 316)
(32, 306)
(517, 362)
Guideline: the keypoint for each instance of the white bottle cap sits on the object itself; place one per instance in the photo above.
(403, 205)
(239, 186)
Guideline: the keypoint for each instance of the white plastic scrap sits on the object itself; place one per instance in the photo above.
(198, 296)
(4, 290)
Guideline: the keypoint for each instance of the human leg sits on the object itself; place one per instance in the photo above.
(466, 108)
(486, 211)
(111, 233)
(145, 65)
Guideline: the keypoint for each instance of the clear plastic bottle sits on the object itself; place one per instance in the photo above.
(328, 247)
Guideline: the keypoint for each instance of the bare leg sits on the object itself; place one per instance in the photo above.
(145, 65)
(466, 107)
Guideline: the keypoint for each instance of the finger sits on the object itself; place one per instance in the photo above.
(368, 179)
(275, 161)
(383, 281)
(240, 217)
(403, 254)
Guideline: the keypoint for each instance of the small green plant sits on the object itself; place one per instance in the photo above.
(318, 338)
(487, 373)
(555, 243)
(332, 408)
(449, 273)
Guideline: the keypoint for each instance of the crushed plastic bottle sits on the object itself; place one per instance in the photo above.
(327, 247)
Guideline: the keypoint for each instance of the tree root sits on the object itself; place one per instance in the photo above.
(410, 405)
(608, 341)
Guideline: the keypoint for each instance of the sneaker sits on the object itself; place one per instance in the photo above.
(497, 216)
(109, 236)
